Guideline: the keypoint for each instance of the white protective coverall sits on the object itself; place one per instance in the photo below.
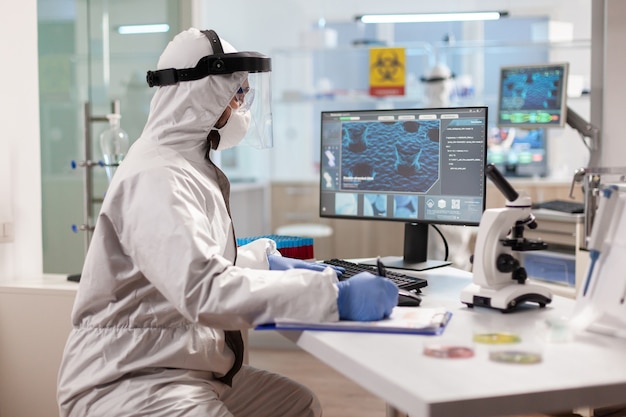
(160, 283)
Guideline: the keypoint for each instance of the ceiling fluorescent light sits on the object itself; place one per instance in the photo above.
(136, 29)
(429, 17)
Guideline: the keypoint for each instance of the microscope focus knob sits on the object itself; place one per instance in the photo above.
(520, 275)
(506, 263)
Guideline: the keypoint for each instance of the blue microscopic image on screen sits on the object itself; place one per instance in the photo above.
(531, 91)
(405, 206)
(398, 156)
(375, 205)
(346, 204)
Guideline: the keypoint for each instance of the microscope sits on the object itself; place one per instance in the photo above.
(499, 278)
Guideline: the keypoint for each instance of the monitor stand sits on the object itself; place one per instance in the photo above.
(415, 251)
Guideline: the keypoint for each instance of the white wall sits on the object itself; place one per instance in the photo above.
(252, 25)
(613, 144)
(19, 141)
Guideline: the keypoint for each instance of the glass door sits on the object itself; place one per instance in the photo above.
(86, 64)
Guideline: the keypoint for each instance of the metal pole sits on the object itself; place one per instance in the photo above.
(115, 107)
(88, 164)
(88, 177)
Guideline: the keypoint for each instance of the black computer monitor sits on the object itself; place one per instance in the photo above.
(533, 96)
(418, 166)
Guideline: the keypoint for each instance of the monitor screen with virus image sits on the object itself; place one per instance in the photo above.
(418, 166)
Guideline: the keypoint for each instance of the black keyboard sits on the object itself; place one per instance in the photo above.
(564, 206)
(401, 280)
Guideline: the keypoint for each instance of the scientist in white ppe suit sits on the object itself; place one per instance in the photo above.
(164, 291)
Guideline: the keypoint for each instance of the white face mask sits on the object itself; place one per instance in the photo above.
(233, 132)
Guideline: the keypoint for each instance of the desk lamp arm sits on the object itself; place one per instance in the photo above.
(584, 128)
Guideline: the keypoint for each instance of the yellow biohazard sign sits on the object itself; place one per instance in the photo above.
(387, 71)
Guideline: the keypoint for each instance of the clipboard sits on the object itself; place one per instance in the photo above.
(403, 320)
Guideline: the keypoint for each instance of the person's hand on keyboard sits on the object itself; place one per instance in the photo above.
(282, 263)
(366, 297)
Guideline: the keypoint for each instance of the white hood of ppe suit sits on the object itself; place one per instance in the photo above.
(158, 287)
(185, 127)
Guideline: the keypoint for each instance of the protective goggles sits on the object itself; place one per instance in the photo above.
(254, 95)
(244, 98)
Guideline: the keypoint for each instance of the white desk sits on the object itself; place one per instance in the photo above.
(588, 371)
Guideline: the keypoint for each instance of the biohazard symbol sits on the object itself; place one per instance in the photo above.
(388, 65)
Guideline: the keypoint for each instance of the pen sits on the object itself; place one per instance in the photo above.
(381, 267)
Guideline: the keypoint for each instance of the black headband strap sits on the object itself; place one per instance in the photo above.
(437, 78)
(216, 44)
(216, 64)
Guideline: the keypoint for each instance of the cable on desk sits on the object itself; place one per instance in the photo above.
(445, 242)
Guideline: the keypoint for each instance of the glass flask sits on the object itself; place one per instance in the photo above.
(113, 144)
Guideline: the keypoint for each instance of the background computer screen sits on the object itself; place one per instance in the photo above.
(418, 166)
(533, 96)
(518, 152)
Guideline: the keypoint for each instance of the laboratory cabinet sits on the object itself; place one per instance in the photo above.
(297, 202)
(34, 325)
(35, 321)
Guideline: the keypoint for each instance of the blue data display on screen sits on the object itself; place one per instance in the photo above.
(533, 96)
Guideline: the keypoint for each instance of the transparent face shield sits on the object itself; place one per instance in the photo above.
(254, 96)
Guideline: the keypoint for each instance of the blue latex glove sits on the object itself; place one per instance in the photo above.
(366, 297)
(282, 263)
